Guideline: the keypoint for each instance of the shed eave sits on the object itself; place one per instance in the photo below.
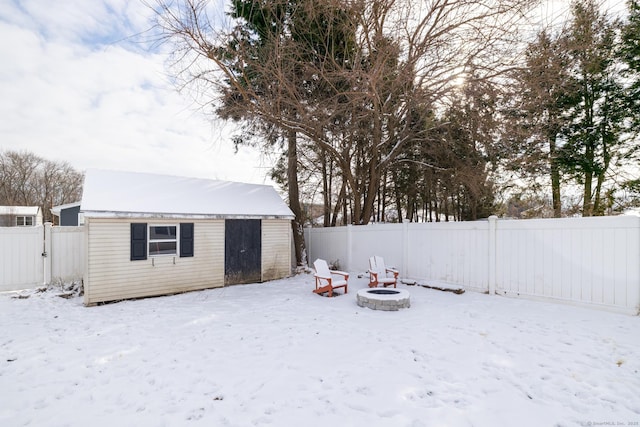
(159, 215)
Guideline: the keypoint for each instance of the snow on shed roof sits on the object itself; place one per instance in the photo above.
(123, 194)
(19, 210)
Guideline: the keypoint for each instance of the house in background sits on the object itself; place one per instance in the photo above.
(150, 234)
(68, 215)
(20, 216)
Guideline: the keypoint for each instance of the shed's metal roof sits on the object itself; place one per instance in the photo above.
(129, 194)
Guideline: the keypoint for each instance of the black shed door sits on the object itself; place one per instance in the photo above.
(242, 251)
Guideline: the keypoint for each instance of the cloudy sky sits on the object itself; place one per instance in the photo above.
(77, 83)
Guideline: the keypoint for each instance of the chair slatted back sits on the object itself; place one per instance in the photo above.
(380, 265)
(372, 264)
(322, 269)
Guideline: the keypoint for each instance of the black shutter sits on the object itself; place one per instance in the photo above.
(138, 241)
(186, 239)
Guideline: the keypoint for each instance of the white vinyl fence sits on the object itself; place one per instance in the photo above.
(583, 261)
(33, 256)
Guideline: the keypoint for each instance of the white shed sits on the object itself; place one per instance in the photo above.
(149, 234)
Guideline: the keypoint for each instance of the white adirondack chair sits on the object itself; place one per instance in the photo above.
(379, 274)
(329, 280)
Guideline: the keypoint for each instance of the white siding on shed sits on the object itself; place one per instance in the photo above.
(111, 275)
(276, 249)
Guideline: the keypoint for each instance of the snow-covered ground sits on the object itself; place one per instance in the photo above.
(277, 354)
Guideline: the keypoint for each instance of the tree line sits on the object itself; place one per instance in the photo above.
(386, 110)
(27, 179)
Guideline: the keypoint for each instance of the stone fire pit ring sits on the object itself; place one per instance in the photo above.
(383, 299)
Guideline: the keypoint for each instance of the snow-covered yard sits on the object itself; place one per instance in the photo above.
(277, 354)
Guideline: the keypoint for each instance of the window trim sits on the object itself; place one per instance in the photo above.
(139, 240)
(24, 220)
(150, 240)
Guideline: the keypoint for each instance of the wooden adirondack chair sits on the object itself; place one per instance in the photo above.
(328, 280)
(381, 275)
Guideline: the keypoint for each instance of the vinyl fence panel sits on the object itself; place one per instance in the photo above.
(34, 256)
(329, 244)
(67, 254)
(377, 239)
(584, 261)
(455, 253)
(21, 260)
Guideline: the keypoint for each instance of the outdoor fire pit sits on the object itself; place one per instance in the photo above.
(383, 299)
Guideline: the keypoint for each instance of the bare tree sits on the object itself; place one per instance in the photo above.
(29, 180)
(355, 102)
(19, 178)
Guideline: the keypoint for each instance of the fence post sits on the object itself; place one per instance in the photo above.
(405, 248)
(637, 284)
(306, 234)
(46, 254)
(349, 246)
(493, 227)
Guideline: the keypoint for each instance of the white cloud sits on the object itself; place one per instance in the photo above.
(76, 85)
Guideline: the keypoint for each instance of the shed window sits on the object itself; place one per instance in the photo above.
(24, 220)
(163, 240)
(159, 240)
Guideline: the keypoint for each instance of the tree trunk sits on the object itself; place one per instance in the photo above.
(555, 171)
(345, 214)
(294, 200)
(587, 204)
(339, 203)
(326, 190)
(555, 183)
(397, 196)
(370, 196)
(599, 206)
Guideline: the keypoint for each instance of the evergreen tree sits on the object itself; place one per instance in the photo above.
(594, 139)
(630, 54)
(546, 90)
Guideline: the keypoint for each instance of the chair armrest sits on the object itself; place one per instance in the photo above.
(342, 273)
(394, 271)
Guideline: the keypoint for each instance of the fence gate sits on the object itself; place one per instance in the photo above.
(21, 260)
